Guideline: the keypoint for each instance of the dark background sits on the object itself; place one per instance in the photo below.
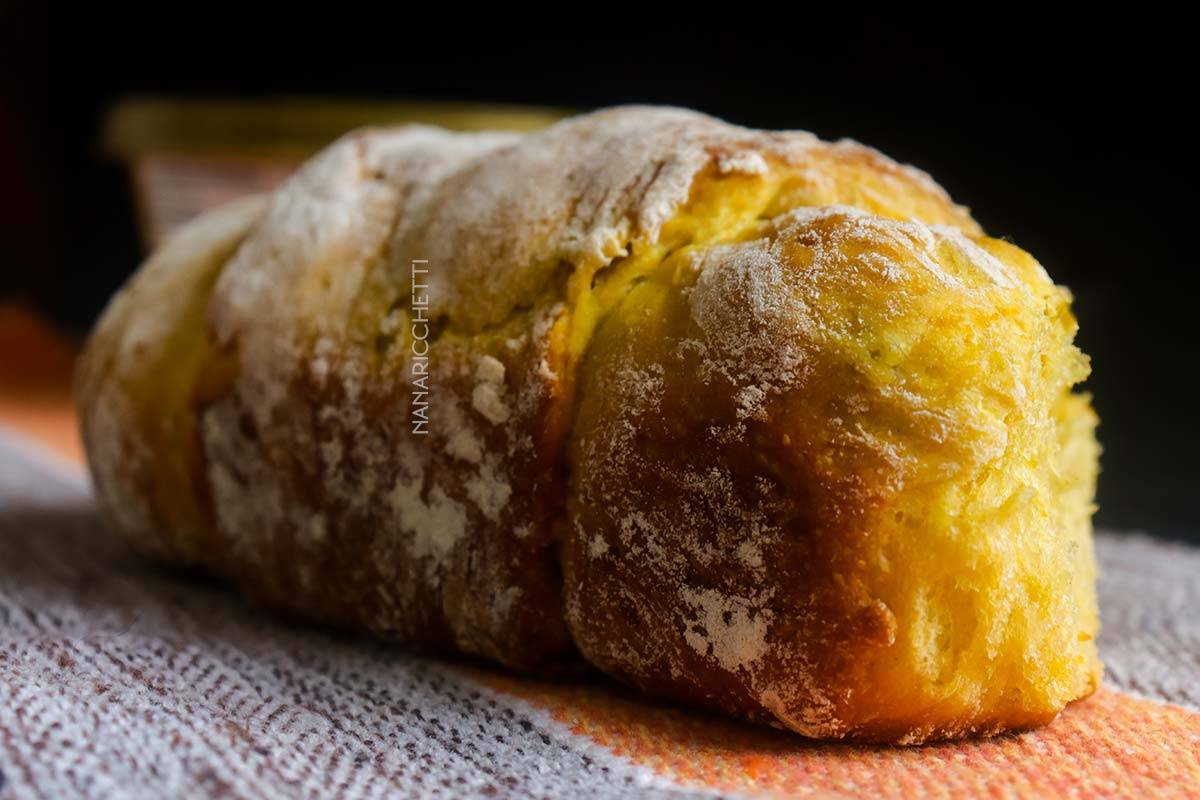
(1073, 140)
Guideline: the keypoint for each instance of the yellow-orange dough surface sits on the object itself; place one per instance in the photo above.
(748, 420)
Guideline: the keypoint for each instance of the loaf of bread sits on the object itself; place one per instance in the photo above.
(750, 421)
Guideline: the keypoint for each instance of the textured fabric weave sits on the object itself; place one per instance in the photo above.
(120, 679)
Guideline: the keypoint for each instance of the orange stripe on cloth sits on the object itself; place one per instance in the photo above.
(1110, 744)
(36, 364)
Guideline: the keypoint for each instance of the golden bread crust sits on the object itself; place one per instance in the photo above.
(815, 488)
(718, 265)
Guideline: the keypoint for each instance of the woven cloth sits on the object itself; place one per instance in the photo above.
(120, 679)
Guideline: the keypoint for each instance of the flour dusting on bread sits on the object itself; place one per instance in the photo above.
(687, 384)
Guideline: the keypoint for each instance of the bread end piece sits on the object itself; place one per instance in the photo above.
(136, 382)
(833, 478)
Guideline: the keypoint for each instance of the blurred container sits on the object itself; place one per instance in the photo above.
(188, 156)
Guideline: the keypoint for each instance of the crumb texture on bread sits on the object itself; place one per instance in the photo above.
(750, 420)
